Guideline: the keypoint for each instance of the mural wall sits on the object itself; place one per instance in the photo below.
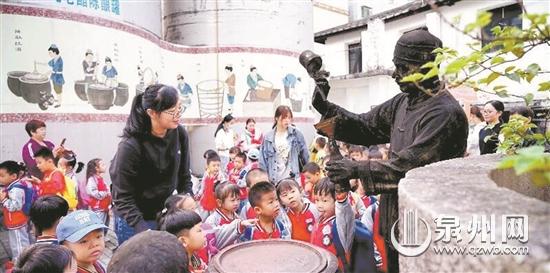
(60, 61)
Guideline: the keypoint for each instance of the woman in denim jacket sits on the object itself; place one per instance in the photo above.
(284, 151)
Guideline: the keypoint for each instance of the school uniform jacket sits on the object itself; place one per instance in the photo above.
(302, 223)
(218, 218)
(256, 232)
(323, 236)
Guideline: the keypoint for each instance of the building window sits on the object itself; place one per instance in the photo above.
(365, 11)
(503, 16)
(354, 58)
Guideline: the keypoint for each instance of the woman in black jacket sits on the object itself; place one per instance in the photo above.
(152, 161)
(489, 135)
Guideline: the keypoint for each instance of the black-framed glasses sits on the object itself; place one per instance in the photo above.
(176, 113)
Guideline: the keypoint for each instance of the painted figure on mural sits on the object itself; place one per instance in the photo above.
(110, 73)
(297, 95)
(185, 92)
(89, 65)
(289, 82)
(253, 78)
(230, 81)
(56, 65)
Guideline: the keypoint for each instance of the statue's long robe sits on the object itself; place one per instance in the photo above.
(421, 129)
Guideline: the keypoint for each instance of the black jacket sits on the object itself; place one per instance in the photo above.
(488, 139)
(145, 172)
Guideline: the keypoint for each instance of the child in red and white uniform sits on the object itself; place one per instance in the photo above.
(205, 194)
(53, 182)
(333, 210)
(263, 198)
(233, 151)
(227, 199)
(312, 174)
(13, 200)
(187, 226)
(97, 190)
(366, 199)
(237, 174)
(302, 214)
(253, 138)
(252, 178)
(371, 220)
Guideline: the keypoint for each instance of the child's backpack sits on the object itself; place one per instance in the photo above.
(69, 194)
(30, 194)
(361, 258)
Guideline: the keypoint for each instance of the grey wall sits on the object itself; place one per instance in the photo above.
(146, 14)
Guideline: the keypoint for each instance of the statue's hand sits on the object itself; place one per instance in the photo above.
(343, 170)
(320, 95)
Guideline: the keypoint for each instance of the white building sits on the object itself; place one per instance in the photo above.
(359, 53)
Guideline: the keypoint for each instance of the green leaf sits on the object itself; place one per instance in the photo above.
(547, 134)
(428, 65)
(439, 58)
(413, 77)
(496, 30)
(540, 179)
(507, 162)
(497, 60)
(493, 76)
(502, 93)
(506, 131)
(509, 68)
(483, 18)
(456, 66)
(518, 51)
(533, 68)
(544, 86)
(529, 77)
(498, 87)
(529, 98)
(514, 77)
(538, 137)
(469, 27)
(432, 73)
(526, 164)
(474, 57)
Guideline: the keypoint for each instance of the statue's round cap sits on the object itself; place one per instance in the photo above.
(415, 47)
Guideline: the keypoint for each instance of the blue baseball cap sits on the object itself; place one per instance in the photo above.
(78, 224)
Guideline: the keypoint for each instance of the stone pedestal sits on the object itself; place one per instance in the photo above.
(462, 188)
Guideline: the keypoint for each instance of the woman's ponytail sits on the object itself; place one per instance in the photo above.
(138, 121)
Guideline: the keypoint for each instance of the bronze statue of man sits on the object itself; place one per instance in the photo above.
(423, 124)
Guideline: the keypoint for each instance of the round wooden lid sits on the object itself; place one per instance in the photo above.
(274, 256)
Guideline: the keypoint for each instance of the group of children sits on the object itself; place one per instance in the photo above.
(43, 201)
(239, 204)
(230, 205)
